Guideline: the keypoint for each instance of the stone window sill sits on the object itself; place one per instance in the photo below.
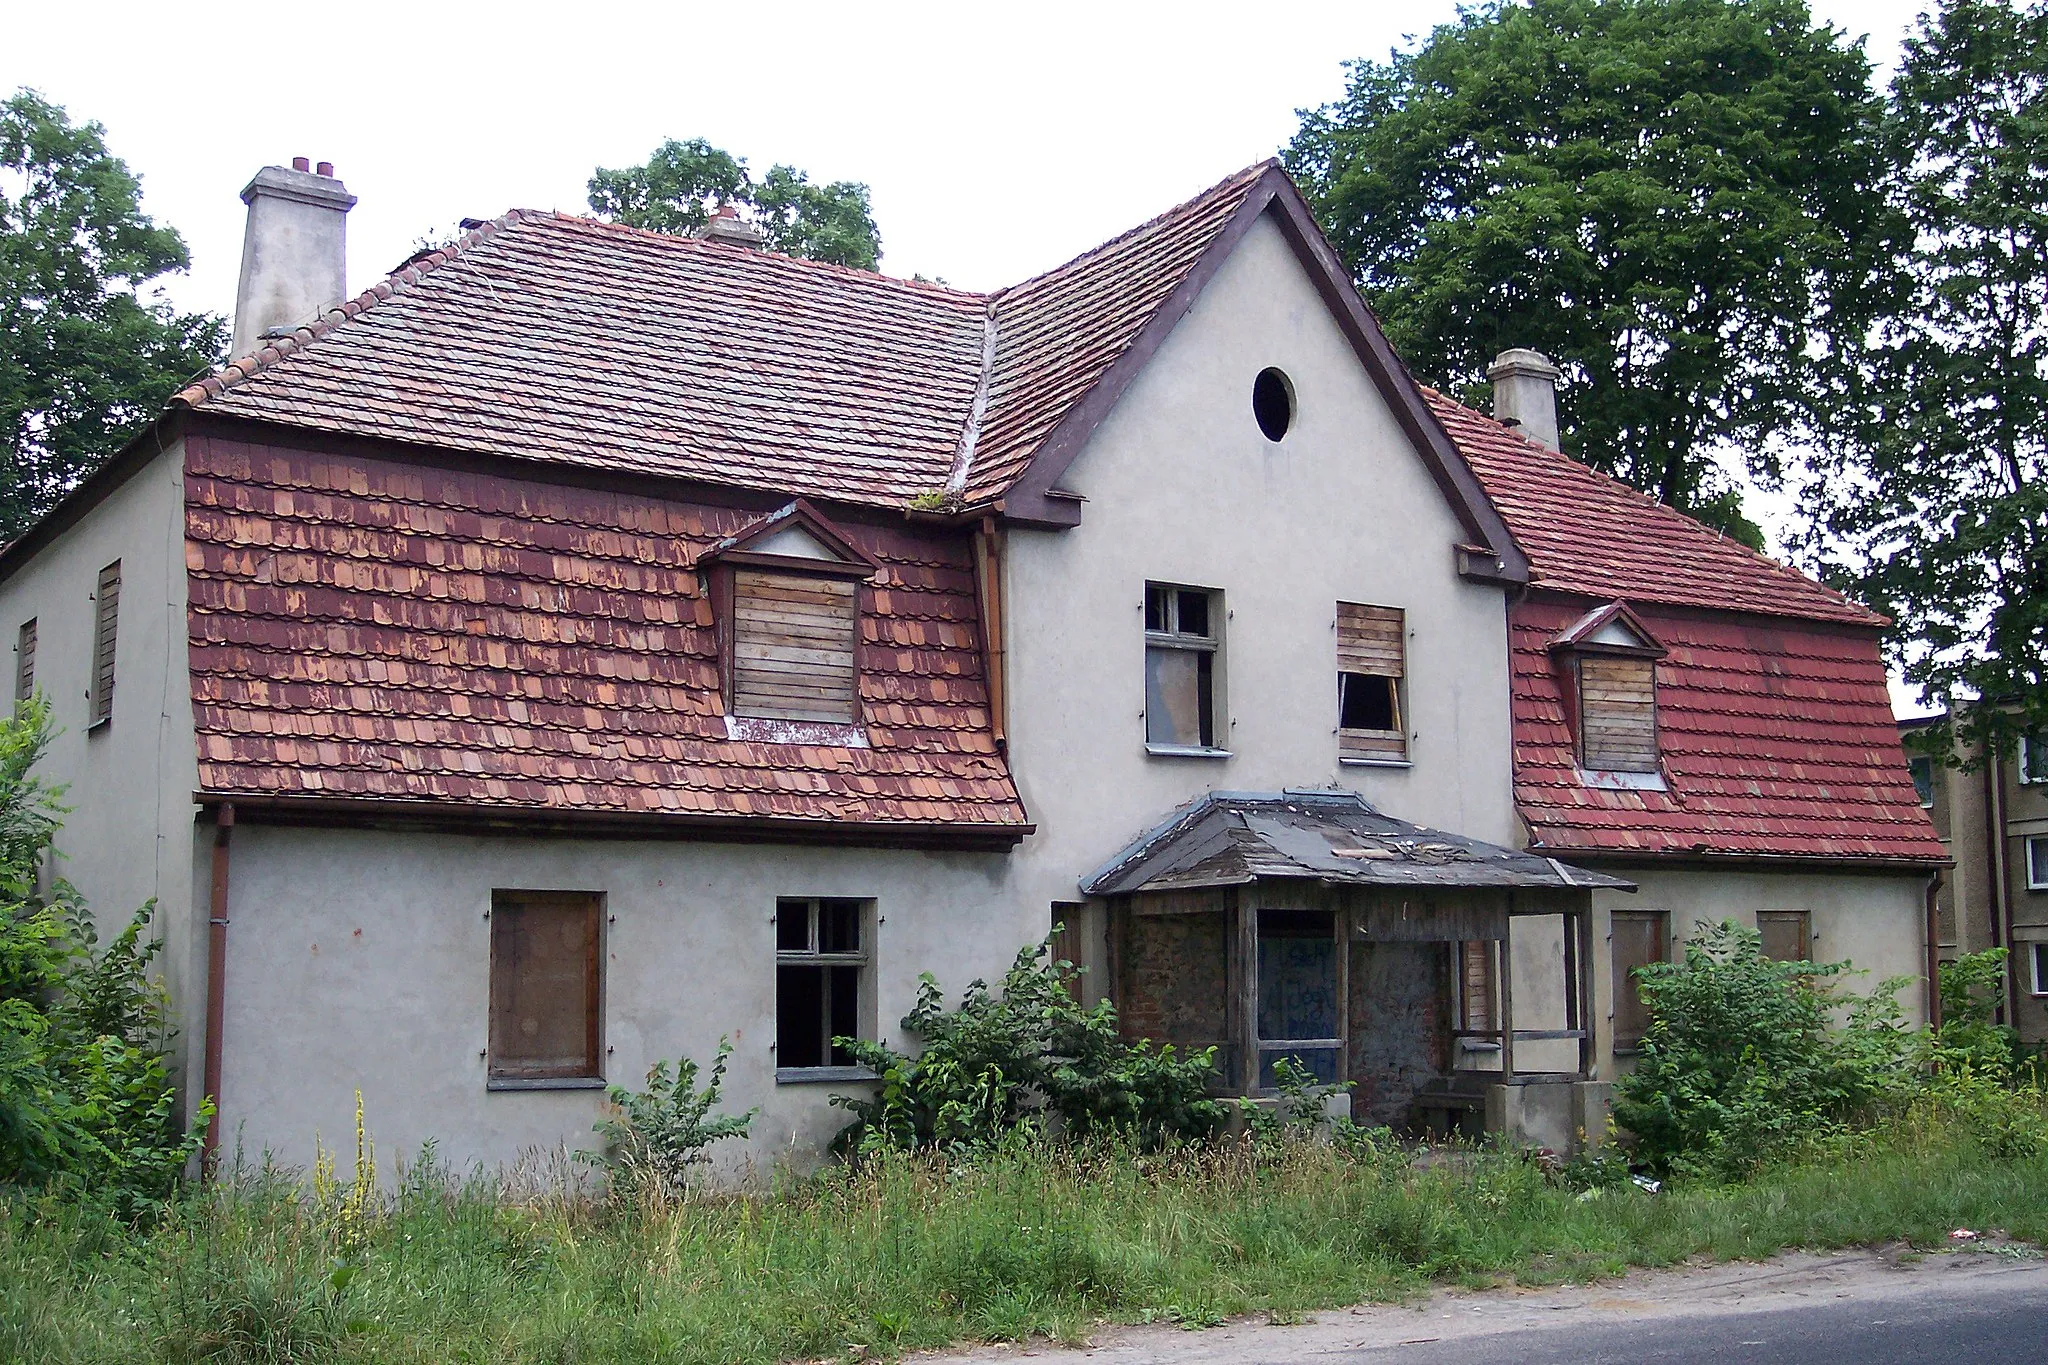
(546, 1083)
(811, 1075)
(1185, 751)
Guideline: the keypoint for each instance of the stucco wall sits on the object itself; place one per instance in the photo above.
(362, 959)
(1876, 921)
(1182, 487)
(129, 835)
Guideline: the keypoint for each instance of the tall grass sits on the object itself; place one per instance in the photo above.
(917, 1252)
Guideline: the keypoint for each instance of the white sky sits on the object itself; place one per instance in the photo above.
(998, 141)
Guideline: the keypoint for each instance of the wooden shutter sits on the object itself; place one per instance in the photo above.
(1373, 641)
(1787, 935)
(107, 602)
(794, 638)
(25, 662)
(1618, 713)
(1475, 969)
(1639, 937)
(544, 984)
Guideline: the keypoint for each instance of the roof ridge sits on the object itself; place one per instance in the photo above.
(674, 239)
(278, 349)
(1630, 491)
(1247, 175)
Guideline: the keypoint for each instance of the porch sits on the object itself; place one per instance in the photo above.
(1308, 925)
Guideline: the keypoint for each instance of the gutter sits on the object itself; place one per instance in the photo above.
(216, 985)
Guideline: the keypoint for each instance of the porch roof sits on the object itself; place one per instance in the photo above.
(1330, 836)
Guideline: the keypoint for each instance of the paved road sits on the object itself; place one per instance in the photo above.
(1853, 1308)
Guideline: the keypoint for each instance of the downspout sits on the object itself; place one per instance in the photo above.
(1933, 951)
(1994, 840)
(988, 573)
(216, 984)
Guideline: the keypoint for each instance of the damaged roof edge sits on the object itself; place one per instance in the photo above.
(1225, 838)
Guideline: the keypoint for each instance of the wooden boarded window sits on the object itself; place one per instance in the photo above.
(544, 985)
(1477, 994)
(1638, 938)
(1617, 713)
(1787, 935)
(25, 661)
(106, 616)
(794, 643)
(1371, 662)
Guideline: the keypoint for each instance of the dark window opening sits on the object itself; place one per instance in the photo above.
(1921, 766)
(1366, 702)
(1273, 403)
(821, 962)
(1298, 1006)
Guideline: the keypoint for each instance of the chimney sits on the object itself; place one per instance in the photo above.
(1525, 394)
(727, 226)
(294, 252)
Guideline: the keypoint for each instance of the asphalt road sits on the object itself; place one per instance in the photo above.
(1974, 1307)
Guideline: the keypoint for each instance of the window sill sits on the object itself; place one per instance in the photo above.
(1375, 762)
(812, 1075)
(1472, 1045)
(102, 723)
(825, 734)
(1615, 780)
(1185, 751)
(547, 1083)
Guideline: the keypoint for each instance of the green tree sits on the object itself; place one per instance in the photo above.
(683, 183)
(84, 356)
(1669, 197)
(1935, 505)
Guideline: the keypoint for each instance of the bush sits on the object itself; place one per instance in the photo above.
(658, 1135)
(86, 1103)
(1744, 1058)
(1027, 1057)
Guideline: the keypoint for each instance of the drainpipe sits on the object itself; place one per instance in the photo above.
(1933, 951)
(216, 983)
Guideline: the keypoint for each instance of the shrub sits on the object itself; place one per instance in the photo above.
(657, 1135)
(1744, 1058)
(86, 1103)
(1027, 1056)
(1969, 1036)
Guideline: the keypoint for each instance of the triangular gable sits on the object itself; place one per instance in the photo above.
(1033, 496)
(1610, 629)
(794, 536)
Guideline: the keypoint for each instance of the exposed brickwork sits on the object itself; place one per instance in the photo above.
(364, 628)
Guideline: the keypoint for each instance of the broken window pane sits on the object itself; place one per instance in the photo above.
(1193, 618)
(1365, 702)
(1177, 697)
(817, 990)
(838, 926)
(1297, 986)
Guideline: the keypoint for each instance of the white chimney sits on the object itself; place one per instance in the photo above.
(727, 226)
(294, 254)
(1525, 394)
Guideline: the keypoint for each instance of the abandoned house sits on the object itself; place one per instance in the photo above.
(587, 644)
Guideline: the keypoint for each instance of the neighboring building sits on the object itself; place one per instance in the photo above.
(590, 643)
(1698, 719)
(1993, 819)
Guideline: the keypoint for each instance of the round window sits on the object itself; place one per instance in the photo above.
(1273, 403)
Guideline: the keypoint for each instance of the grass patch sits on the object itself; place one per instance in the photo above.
(915, 1252)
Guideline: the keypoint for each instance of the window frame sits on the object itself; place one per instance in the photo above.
(1804, 919)
(1914, 764)
(591, 1074)
(1262, 1046)
(1618, 980)
(811, 956)
(1355, 745)
(2029, 746)
(1609, 655)
(2027, 848)
(2039, 953)
(1212, 727)
(25, 661)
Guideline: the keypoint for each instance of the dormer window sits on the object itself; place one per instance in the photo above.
(787, 595)
(1608, 659)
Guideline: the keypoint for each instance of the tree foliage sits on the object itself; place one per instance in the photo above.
(84, 356)
(684, 183)
(1933, 502)
(1669, 197)
(86, 1102)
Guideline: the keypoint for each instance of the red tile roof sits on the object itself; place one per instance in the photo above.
(362, 628)
(1777, 741)
(1590, 534)
(1774, 719)
(564, 339)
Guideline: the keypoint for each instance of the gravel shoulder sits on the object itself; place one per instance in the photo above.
(1891, 1277)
